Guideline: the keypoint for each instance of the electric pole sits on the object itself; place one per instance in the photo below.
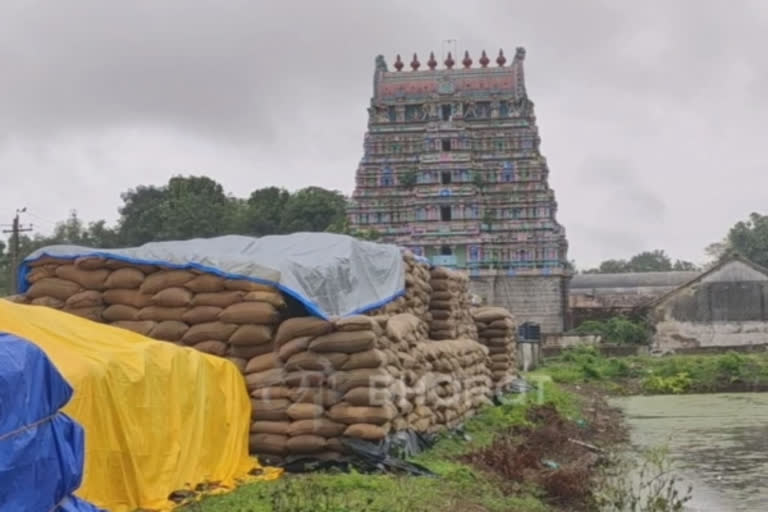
(15, 230)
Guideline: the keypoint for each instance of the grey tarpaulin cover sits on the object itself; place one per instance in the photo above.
(332, 275)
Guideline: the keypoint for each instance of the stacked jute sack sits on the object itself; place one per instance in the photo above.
(417, 294)
(442, 382)
(450, 306)
(362, 377)
(331, 380)
(229, 318)
(497, 331)
(311, 381)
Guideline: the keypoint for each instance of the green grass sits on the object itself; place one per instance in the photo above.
(660, 375)
(459, 487)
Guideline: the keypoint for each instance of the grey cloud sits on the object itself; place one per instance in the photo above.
(96, 97)
(617, 242)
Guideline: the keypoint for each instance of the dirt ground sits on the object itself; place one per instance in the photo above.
(558, 455)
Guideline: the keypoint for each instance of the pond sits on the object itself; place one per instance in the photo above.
(719, 442)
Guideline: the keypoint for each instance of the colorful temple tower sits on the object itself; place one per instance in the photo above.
(452, 170)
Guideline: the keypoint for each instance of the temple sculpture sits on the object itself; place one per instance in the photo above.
(452, 168)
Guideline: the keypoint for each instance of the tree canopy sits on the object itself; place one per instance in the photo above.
(647, 261)
(748, 238)
(195, 206)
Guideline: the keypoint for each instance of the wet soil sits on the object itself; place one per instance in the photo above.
(559, 456)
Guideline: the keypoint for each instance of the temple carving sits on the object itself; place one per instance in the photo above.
(452, 169)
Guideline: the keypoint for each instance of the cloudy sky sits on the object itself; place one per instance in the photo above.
(653, 114)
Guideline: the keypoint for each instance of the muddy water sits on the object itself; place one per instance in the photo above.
(719, 442)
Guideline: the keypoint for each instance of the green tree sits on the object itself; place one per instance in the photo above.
(345, 228)
(717, 250)
(650, 261)
(70, 231)
(264, 211)
(647, 261)
(187, 207)
(750, 239)
(142, 215)
(196, 206)
(617, 329)
(609, 267)
(313, 209)
(99, 235)
(685, 265)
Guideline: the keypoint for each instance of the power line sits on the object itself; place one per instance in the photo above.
(41, 219)
(15, 230)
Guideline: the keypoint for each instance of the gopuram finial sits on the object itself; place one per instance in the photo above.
(467, 60)
(449, 62)
(415, 64)
(501, 59)
(484, 60)
(398, 63)
(432, 63)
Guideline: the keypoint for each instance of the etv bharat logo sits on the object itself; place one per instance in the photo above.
(438, 390)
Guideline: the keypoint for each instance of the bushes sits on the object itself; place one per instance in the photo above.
(674, 385)
(617, 329)
(667, 375)
(582, 364)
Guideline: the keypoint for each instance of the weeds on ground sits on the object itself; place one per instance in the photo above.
(674, 385)
(460, 486)
(552, 452)
(660, 375)
(646, 483)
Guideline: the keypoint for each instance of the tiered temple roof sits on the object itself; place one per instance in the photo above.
(452, 169)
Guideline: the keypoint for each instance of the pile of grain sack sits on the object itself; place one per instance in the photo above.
(361, 377)
(418, 291)
(497, 331)
(450, 306)
(229, 318)
(312, 381)
(440, 297)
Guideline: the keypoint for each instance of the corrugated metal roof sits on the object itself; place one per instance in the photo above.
(632, 280)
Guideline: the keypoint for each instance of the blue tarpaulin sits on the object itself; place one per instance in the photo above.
(41, 449)
(330, 274)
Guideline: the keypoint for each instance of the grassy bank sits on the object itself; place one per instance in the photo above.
(730, 371)
(518, 456)
(468, 478)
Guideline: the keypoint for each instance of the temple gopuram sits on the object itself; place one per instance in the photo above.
(452, 170)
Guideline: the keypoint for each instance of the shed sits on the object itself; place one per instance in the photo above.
(727, 306)
(596, 296)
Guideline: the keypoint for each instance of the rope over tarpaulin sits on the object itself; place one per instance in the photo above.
(41, 448)
(330, 274)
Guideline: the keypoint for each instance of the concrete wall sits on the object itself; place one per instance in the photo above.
(541, 299)
(606, 349)
(673, 334)
(728, 307)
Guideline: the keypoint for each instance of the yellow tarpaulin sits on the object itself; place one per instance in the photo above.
(157, 417)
